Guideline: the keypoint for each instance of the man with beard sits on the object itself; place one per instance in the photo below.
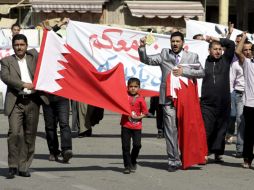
(169, 60)
(215, 95)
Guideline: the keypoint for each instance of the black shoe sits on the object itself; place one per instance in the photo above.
(12, 172)
(160, 135)
(133, 168)
(172, 168)
(218, 158)
(67, 155)
(239, 155)
(87, 133)
(25, 174)
(127, 170)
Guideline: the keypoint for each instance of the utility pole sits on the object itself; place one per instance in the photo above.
(223, 12)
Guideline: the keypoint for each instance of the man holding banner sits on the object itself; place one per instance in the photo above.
(171, 60)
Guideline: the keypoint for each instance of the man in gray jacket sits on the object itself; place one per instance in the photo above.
(170, 60)
(22, 105)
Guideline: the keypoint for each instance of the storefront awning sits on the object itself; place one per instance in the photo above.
(59, 6)
(164, 9)
(5, 8)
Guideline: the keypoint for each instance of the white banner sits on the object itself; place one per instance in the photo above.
(106, 46)
(194, 27)
(3, 87)
(4, 40)
(33, 37)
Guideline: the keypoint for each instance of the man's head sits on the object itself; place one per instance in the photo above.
(215, 49)
(248, 49)
(177, 40)
(19, 44)
(15, 29)
(238, 39)
(198, 37)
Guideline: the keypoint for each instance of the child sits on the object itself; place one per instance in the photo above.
(132, 126)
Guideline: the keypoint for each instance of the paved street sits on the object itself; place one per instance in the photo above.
(97, 165)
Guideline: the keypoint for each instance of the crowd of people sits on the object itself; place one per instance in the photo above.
(227, 98)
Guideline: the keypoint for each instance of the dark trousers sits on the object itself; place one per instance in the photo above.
(130, 157)
(155, 107)
(154, 101)
(248, 113)
(159, 118)
(57, 112)
(75, 122)
(216, 122)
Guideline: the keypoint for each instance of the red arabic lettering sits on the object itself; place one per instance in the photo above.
(107, 43)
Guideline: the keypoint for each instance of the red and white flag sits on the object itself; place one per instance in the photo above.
(190, 124)
(63, 71)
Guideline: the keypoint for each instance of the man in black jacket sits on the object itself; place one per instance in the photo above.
(215, 95)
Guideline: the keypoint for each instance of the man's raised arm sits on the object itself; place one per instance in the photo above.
(239, 49)
(144, 58)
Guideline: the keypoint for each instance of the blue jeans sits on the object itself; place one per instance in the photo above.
(236, 115)
(57, 112)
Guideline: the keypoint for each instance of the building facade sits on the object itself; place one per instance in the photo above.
(161, 15)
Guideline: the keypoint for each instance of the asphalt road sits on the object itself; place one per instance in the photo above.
(97, 165)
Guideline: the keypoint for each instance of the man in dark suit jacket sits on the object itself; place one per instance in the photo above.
(22, 105)
(170, 60)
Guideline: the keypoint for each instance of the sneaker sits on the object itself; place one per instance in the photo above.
(67, 155)
(53, 157)
(133, 168)
(246, 165)
(126, 170)
(230, 140)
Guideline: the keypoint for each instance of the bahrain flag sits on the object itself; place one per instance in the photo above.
(63, 71)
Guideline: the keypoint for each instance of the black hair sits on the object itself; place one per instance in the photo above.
(16, 24)
(214, 43)
(247, 42)
(19, 37)
(239, 35)
(196, 36)
(149, 30)
(180, 34)
(133, 80)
